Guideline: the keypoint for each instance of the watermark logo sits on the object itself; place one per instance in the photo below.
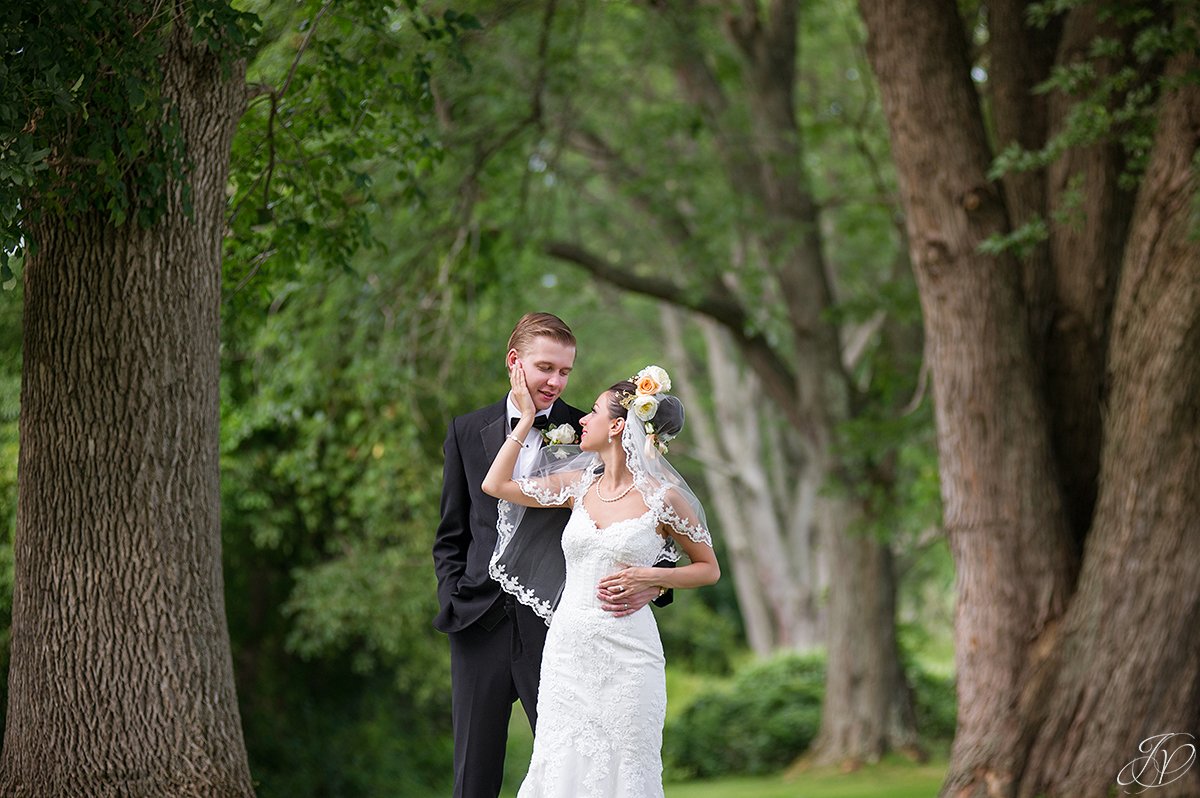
(1167, 757)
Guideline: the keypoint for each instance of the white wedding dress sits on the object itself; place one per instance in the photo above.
(602, 698)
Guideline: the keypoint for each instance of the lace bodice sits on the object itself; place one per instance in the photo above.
(593, 552)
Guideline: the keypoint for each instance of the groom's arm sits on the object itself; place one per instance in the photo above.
(454, 532)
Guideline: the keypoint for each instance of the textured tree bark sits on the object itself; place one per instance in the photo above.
(1059, 681)
(121, 680)
(1083, 189)
(1003, 514)
(1129, 657)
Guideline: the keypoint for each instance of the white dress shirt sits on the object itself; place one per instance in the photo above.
(533, 441)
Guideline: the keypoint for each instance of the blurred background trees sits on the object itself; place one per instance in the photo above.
(708, 186)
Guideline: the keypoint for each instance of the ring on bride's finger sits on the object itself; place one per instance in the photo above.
(624, 606)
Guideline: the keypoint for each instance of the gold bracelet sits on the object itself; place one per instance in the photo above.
(516, 440)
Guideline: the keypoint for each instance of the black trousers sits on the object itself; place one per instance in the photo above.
(493, 662)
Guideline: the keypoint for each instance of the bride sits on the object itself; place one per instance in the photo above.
(602, 697)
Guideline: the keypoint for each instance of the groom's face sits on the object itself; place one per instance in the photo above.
(547, 365)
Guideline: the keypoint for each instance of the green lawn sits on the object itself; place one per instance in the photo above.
(889, 779)
(893, 778)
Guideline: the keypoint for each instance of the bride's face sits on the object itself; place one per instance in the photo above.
(597, 426)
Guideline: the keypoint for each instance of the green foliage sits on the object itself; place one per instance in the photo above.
(767, 717)
(888, 448)
(85, 124)
(344, 736)
(1113, 89)
(339, 88)
(894, 777)
(770, 713)
(698, 637)
(935, 702)
(330, 495)
(1021, 241)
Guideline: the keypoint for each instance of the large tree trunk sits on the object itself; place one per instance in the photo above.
(1003, 514)
(1127, 662)
(1058, 682)
(121, 681)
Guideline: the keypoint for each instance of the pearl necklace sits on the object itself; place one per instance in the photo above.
(616, 498)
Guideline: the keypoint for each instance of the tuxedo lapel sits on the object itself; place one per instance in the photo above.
(493, 433)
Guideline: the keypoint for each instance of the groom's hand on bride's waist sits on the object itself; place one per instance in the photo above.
(621, 599)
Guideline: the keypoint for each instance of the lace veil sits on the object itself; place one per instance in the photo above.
(528, 559)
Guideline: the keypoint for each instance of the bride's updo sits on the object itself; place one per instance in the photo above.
(668, 419)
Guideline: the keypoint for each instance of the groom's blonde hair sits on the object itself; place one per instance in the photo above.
(534, 325)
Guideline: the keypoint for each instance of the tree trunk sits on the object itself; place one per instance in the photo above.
(1003, 513)
(1086, 260)
(1059, 682)
(867, 709)
(1128, 658)
(121, 680)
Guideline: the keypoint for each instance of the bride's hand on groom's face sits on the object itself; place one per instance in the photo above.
(520, 390)
(626, 591)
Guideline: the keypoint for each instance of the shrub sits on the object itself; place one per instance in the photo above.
(936, 704)
(698, 637)
(769, 715)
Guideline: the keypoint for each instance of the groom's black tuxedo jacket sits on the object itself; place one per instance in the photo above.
(466, 536)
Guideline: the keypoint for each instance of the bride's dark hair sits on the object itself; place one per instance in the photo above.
(668, 420)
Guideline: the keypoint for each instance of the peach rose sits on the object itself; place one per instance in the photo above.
(652, 380)
(648, 385)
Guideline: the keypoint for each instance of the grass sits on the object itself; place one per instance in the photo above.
(892, 778)
(895, 777)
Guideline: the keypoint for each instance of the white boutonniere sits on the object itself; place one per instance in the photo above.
(562, 435)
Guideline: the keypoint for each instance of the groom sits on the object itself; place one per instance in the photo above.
(496, 642)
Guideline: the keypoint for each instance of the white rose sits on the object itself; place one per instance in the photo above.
(561, 435)
(645, 406)
(658, 375)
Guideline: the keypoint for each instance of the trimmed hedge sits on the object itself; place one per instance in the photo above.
(771, 713)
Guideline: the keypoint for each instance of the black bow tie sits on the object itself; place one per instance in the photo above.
(539, 422)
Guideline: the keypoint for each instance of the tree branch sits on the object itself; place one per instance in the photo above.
(624, 176)
(778, 378)
(531, 119)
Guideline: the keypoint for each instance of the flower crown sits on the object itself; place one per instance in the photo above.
(652, 383)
